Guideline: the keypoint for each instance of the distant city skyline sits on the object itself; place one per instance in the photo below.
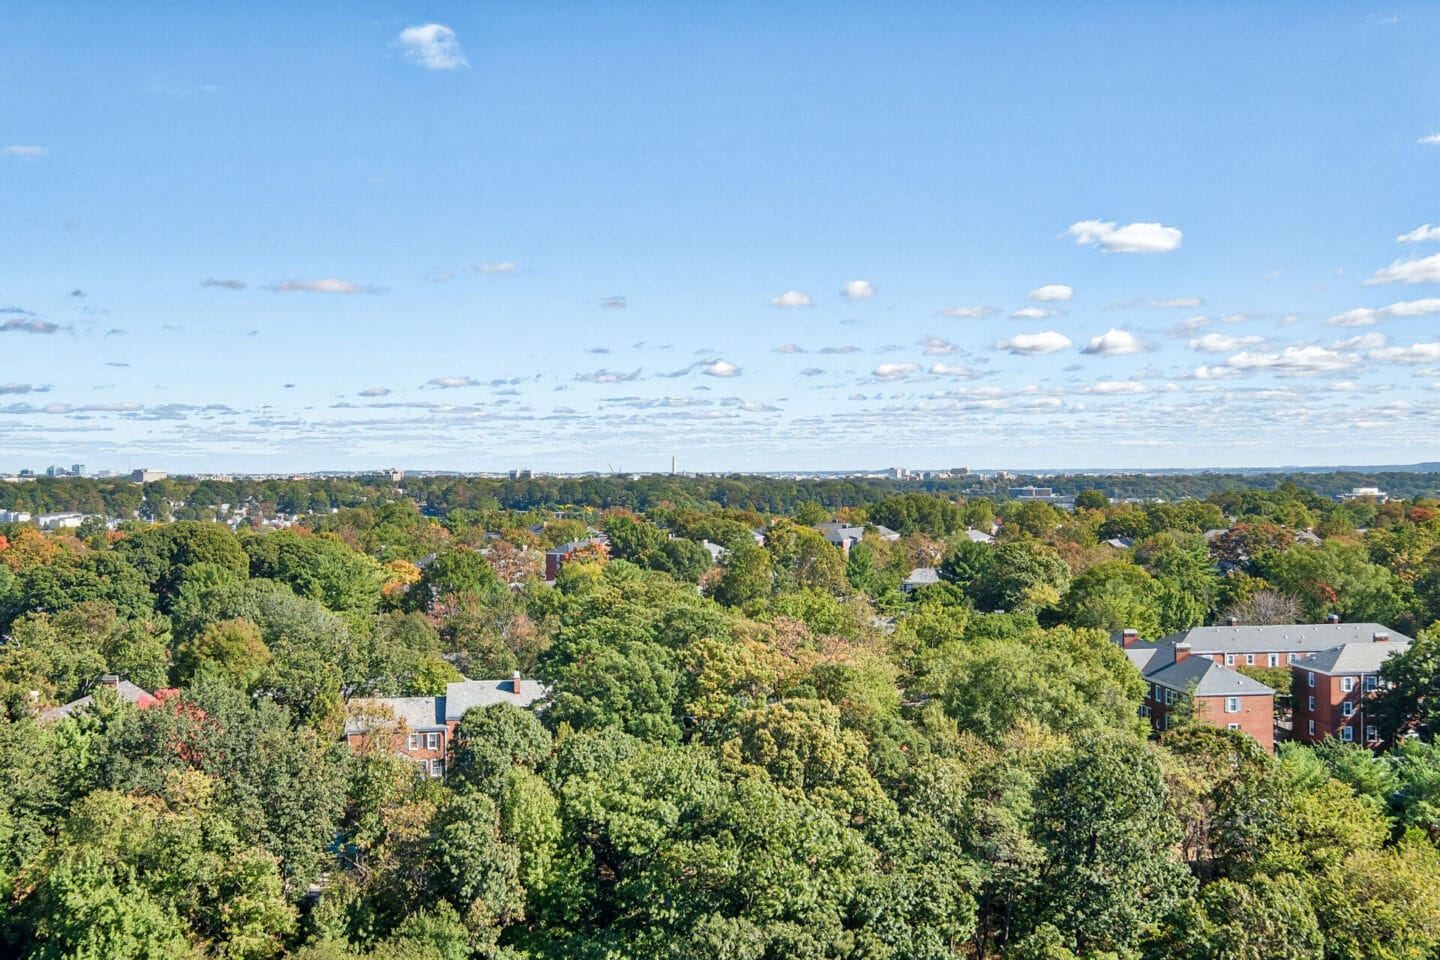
(578, 237)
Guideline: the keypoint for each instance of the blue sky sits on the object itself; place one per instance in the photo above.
(750, 236)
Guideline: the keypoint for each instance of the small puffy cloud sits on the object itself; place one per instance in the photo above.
(328, 285)
(936, 346)
(858, 290)
(491, 269)
(848, 348)
(223, 284)
(1117, 388)
(376, 392)
(1431, 140)
(450, 383)
(720, 368)
(1373, 340)
(1424, 270)
(27, 325)
(1419, 235)
(1178, 302)
(1114, 343)
(608, 376)
(966, 313)
(1034, 344)
(790, 298)
(789, 348)
(1214, 372)
(811, 372)
(1052, 292)
(1033, 313)
(1297, 361)
(1369, 316)
(1131, 238)
(29, 151)
(894, 371)
(14, 388)
(1415, 353)
(946, 370)
(1223, 343)
(433, 46)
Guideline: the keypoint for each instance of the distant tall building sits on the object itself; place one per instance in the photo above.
(54, 471)
(77, 470)
(147, 476)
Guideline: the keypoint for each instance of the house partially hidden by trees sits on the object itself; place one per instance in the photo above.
(1181, 685)
(420, 728)
(1333, 689)
(591, 548)
(124, 689)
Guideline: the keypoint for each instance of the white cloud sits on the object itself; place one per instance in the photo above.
(433, 46)
(1419, 234)
(1032, 344)
(328, 285)
(1431, 140)
(1223, 343)
(504, 266)
(1051, 292)
(967, 312)
(1415, 353)
(720, 368)
(1373, 340)
(1113, 343)
(1297, 361)
(789, 348)
(1118, 388)
(29, 151)
(894, 371)
(449, 383)
(1131, 238)
(1369, 316)
(1034, 313)
(608, 376)
(1426, 270)
(935, 346)
(858, 290)
(790, 298)
(945, 370)
(1217, 372)
(1178, 302)
(376, 392)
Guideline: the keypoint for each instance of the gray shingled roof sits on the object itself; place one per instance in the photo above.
(125, 690)
(1210, 679)
(417, 713)
(1365, 656)
(1285, 638)
(466, 694)
(922, 576)
(1141, 654)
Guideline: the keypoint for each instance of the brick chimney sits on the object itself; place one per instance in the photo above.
(1332, 618)
(110, 680)
(1129, 637)
(1381, 636)
(1182, 651)
(515, 683)
(1232, 621)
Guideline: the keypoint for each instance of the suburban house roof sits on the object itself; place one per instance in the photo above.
(978, 536)
(1141, 654)
(465, 694)
(417, 713)
(1291, 637)
(1365, 656)
(922, 576)
(1210, 679)
(124, 689)
(568, 548)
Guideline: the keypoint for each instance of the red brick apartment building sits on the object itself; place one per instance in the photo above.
(420, 728)
(1331, 688)
(1221, 696)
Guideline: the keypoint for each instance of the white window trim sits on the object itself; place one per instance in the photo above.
(1232, 704)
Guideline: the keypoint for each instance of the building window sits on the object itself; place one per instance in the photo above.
(1273, 660)
(1310, 679)
(432, 741)
(1249, 659)
(1347, 733)
(413, 742)
(437, 768)
(1310, 704)
(1347, 709)
(1291, 657)
(1347, 684)
(1169, 697)
(1371, 682)
(1232, 726)
(1232, 704)
(1145, 711)
(1229, 659)
(1310, 728)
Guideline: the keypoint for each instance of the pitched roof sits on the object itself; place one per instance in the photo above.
(1365, 656)
(417, 713)
(1210, 679)
(922, 576)
(1141, 654)
(466, 694)
(1290, 637)
(124, 689)
(977, 536)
